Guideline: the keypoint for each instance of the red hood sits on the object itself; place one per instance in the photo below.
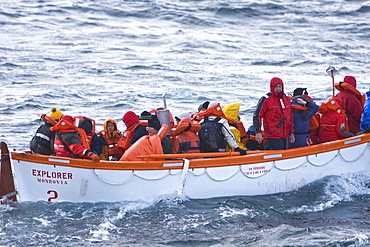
(350, 80)
(130, 118)
(276, 81)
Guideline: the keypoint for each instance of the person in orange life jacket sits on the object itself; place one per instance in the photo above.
(109, 138)
(67, 142)
(185, 139)
(303, 109)
(43, 141)
(333, 122)
(214, 113)
(352, 104)
(153, 127)
(86, 125)
(133, 132)
(276, 114)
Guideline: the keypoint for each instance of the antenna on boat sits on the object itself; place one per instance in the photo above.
(332, 72)
(164, 101)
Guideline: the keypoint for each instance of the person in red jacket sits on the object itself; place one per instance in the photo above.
(352, 102)
(333, 122)
(275, 113)
(68, 143)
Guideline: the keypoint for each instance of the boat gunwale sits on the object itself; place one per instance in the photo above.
(196, 160)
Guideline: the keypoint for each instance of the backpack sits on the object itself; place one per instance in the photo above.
(211, 137)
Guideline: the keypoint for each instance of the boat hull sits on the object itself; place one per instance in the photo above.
(62, 179)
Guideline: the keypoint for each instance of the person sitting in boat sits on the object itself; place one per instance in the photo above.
(185, 139)
(276, 113)
(109, 138)
(55, 114)
(145, 115)
(353, 102)
(134, 130)
(153, 127)
(333, 121)
(365, 116)
(303, 110)
(214, 131)
(149, 144)
(43, 141)
(70, 141)
(231, 112)
(88, 125)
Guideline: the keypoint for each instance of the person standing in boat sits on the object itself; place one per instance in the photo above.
(70, 142)
(275, 113)
(303, 110)
(333, 121)
(109, 138)
(353, 102)
(365, 117)
(134, 130)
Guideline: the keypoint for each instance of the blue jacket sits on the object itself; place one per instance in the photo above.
(301, 121)
(365, 117)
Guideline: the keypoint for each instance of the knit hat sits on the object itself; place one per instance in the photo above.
(203, 106)
(154, 122)
(55, 114)
(145, 115)
(300, 91)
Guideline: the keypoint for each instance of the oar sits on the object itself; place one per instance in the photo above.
(332, 72)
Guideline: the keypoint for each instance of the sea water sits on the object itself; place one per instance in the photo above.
(103, 58)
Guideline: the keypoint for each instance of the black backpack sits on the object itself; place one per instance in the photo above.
(211, 137)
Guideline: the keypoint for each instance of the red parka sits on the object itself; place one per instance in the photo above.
(276, 113)
(351, 103)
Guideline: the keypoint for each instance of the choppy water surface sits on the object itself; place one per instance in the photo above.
(103, 58)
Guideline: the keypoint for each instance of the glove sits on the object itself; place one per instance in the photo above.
(93, 157)
(241, 151)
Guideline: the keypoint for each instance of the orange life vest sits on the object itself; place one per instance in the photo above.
(111, 147)
(146, 145)
(332, 105)
(64, 125)
(346, 86)
(314, 121)
(124, 141)
(90, 135)
(49, 119)
(186, 134)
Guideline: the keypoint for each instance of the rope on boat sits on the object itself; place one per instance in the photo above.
(107, 182)
(153, 179)
(275, 164)
(359, 157)
(221, 180)
(292, 168)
